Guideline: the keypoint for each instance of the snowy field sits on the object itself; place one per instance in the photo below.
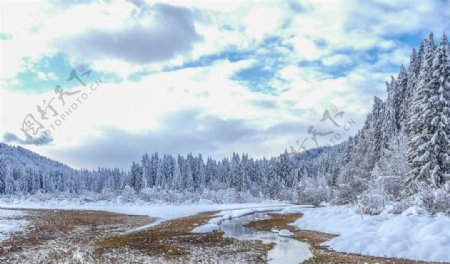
(9, 223)
(163, 211)
(412, 235)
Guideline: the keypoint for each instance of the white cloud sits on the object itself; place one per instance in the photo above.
(47, 76)
(143, 106)
(316, 33)
(337, 59)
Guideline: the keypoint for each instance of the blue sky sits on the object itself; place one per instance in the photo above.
(207, 77)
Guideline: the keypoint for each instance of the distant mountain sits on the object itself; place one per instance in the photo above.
(25, 172)
(20, 158)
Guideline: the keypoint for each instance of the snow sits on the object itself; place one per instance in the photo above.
(412, 235)
(208, 228)
(243, 212)
(9, 224)
(163, 211)
(414, 210)
(293, 209)
(213, 223)
(285, 233)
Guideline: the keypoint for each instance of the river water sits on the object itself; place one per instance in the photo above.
(285, 251)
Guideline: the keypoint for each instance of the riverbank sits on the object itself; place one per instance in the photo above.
(321, 254)
(413, 234)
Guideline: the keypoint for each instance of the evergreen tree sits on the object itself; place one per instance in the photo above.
(3, 172)
(401, 103)
(389, 119)
(188, 177)
(236, 172)
(177, 181)
(392, 169)
(136, 181)
(439, 159)
(146, 171)
(429, 128)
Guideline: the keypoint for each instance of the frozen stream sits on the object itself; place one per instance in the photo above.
(285, 251)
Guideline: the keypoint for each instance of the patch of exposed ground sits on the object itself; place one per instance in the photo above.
(64, 236)
(321, 254)
(173, 242)
(60, 236)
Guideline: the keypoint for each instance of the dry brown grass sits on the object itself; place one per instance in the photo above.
(155, 241)
(174, 239)
(59, 236)
(70, 225)
(278, 221)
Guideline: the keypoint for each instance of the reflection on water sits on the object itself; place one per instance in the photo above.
(285, 251)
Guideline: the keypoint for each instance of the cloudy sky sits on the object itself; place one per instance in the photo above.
(111, 80)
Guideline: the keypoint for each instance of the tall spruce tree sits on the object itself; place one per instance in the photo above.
(3, 173)
(401, 100)
(429, 125)
(136, 181)
(440, 107)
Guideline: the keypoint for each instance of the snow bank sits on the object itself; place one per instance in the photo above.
(10, 224)
(163, 211)
(285, 233)
(293, 209)
(410, 236)
(208, 228)
(214, 223)
(226, 215)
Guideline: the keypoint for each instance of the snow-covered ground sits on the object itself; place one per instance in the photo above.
(9, 223)
(285, 233)
(412, 235)
(213, 224)
(163, 211)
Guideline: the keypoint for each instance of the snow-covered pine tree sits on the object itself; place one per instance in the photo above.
(136, 181)
(367, 149)
(274, 186)
(392, 169)
(401, 102)
(154, 164)
(188, 177)
(440, 104)
(389, 125)
(158, 171)
(419, 113)
(236, 173)
(177, 180)
(146, 171)
(429, 124)
(201, 170)
(3, 173)
(377, 131)
(168, 164)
